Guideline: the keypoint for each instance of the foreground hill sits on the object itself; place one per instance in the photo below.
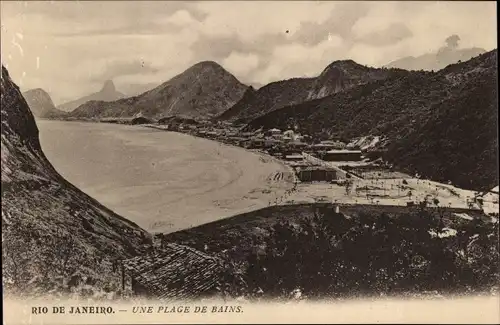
(337, 77)
(107, 93)
(203, 90)
(442, 125)
(41, 104)
(52, 233)
(314, 252)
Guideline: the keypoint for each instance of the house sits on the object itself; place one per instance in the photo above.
(255, 143)
(297, 145)
(294, 157)
(289, 133)
(342, 155)
(316, 174)
(322, 147)
(274, 132)
(271, 143)
(176, 272)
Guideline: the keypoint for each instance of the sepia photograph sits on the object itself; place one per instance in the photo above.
(249, 162)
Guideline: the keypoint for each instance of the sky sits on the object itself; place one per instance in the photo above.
(70, 48)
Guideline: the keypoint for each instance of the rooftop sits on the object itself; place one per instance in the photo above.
(344, 151)
(176, 271)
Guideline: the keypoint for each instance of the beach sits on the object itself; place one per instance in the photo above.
(163, 181)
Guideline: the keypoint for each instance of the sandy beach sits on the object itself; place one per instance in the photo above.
(163, 181)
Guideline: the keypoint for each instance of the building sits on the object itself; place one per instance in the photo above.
(275, 131)
(289, 134)
(322, 147)
(176, 272)
(316, 174)
(294, 157)
(298, 145)
(240, 141)
(342, 155)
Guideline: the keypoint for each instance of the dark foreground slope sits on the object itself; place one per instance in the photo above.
(442, 125)
(337, 77)
(202, 91)
(52, 233)
(361, 251)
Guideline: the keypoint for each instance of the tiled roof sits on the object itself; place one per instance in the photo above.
(176, 271)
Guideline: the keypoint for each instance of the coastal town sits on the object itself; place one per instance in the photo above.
(208, 158)
(331, 170)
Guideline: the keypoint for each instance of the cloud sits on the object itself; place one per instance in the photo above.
(181, 18)
(392, 34)
(298, 60)
(68, 48)
(241, 63)
(340, 21)
(118, 68)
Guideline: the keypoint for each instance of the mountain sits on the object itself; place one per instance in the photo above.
(40, 103)
(337, 77)
(107, 93)
(436, 61)
(52, 233)
(442, 124)
(203, 90)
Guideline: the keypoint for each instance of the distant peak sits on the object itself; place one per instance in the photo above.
(108, 87)
(35, 90)
(342, 65)
(207, 63)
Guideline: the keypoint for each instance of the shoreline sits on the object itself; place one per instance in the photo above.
(163, 183)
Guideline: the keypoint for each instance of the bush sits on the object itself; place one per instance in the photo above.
(329, 255)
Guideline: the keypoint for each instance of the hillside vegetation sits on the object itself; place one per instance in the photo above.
(442, 124)
(337, 77)
(313, 252)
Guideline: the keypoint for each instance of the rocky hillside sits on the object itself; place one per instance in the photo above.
(41, 104)
(442, 125)
(107, 93)
(203, 90)
(52, 233)
(337, 77)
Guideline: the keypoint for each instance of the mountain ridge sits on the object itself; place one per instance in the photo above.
(203, 90)
(107, 93)
(436, 61)
(336, 77)
(401, 110)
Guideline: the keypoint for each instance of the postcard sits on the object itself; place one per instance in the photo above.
(249, 162)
